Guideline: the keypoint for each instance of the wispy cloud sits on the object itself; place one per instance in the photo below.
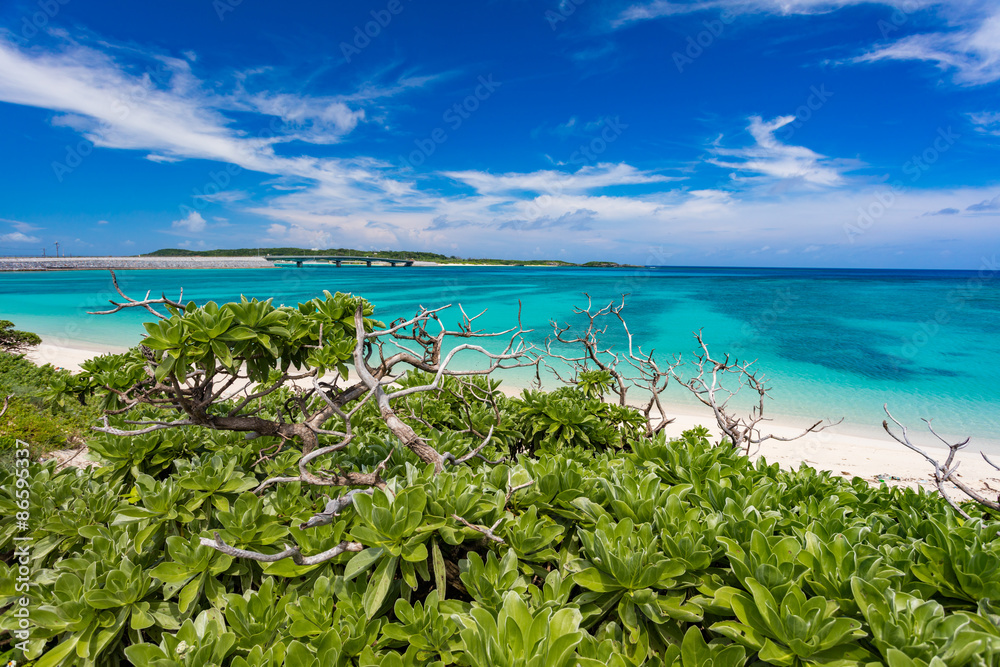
(987, 122)
(549, 181)
(967, 44)
(169, 113)
(18, 237)
(773, 160)
(645, 11)
(971, 50)
(20, 225)
(21, 234)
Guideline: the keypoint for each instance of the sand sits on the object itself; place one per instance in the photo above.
(874, 457)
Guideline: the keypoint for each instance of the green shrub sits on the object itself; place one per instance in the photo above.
(13, 341)
(30, 416)
(589, 545)
(610, 558)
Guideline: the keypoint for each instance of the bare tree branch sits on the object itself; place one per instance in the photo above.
(289, 552)
(624, 369)
(943, 472)
(487, 532)
(332, 509)
(708, 385)
(146, 303)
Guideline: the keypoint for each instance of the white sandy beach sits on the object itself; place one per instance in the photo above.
(847, 455)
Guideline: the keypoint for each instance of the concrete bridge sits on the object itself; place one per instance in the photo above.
(336, 259)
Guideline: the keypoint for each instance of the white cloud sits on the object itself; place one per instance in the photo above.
(644, 11)
(223, 196)
(968, 42)
(21, 226)
(772, 159)
(18, 237)
(192, 224)
(313, 120)
(987, 122)
(674, 222)
(102, 222)
(593, 177)
(173, 115)
(21, 233)
(970, 51)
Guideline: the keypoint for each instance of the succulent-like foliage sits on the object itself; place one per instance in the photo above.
(209, 548)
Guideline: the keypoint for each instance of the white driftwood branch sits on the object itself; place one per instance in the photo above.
(290, 552)
(943, 472)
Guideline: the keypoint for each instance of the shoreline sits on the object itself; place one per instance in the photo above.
(844, 454)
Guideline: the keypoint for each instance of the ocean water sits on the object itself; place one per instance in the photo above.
(834, 343)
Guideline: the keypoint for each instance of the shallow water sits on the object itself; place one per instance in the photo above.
(835, 343)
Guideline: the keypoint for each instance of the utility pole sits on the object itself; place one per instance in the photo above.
(57, 248)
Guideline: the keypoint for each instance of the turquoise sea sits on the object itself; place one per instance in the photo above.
(835, 343)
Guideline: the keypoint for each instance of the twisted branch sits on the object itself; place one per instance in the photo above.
(146, 303)
(943, 472)
(290, 552)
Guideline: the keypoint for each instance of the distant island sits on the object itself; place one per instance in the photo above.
(387, 254)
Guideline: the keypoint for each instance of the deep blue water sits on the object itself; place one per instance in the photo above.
(835, 343)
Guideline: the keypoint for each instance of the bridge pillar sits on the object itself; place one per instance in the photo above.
(298, 264)
(368, 262)
(338, 263)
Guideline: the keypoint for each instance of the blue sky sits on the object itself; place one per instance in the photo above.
(749, 132)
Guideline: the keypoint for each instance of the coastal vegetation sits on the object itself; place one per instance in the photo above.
(14, 341)
(274, 489)
(25, 411)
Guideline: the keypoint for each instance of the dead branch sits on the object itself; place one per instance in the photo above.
(290, 552)
(487, 532)
(332, 509)
(708, 385)
(944, 473)
(591, 354)
(515, 489)
(6, 404)
(475, 453)
(633, 369)
(146, 302)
